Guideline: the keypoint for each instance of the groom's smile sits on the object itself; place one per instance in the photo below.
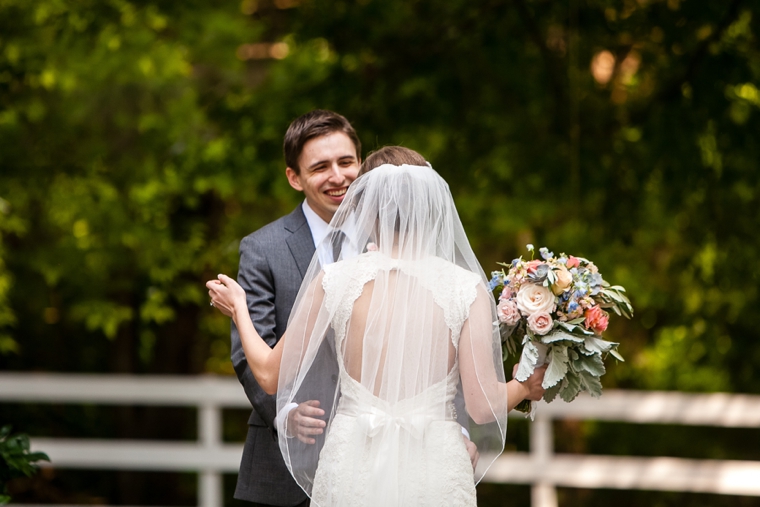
(328, 165)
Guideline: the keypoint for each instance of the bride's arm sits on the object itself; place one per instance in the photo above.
(229, 298)
(484, 391)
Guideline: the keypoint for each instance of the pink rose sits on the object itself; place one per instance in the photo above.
(508, 312)
(506, 293)
(596, 319)
(532, 265)
(540, 323)
(572, 262)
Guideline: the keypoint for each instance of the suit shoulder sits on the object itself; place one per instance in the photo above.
(268, 231)
(280, 228)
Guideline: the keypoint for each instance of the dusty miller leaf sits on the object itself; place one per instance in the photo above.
(528, 361)
(557, 366)
(597, 345)
(592, 364)
(558, 335)
(570, 391)
(591, 384)
(551, 393)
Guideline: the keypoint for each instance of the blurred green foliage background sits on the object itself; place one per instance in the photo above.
(141, 140)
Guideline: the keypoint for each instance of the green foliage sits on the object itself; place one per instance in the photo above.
(140, 140)
(152, 141)
(15, 459)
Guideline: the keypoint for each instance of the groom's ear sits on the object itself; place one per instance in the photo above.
(294, 179)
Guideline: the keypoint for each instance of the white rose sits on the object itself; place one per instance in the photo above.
(534, 298)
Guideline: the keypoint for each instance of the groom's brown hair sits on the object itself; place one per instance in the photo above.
(317, 123)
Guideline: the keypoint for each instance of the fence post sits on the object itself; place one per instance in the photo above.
(543, 494)
(210, 492)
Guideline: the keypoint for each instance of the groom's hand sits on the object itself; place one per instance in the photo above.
(472, 450)
(304, 422)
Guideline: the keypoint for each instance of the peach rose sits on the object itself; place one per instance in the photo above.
(534, 298)
(564, 280)
(540, 323)
(531, 266)
(507, 312)
(596, 319)
(573, 262)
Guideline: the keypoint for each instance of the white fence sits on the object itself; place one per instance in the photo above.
(541, 467)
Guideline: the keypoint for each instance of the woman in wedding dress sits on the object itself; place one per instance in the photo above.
(384, 339)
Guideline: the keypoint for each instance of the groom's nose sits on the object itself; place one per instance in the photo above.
(336, 174)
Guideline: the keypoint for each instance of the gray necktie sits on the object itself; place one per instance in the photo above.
(336, 240)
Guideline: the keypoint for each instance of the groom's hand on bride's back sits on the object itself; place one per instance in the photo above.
(304, 422)
(472, 450)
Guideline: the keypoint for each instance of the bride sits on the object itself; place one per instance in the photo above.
(406, 313)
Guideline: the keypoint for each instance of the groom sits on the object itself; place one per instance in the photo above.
(323, 157)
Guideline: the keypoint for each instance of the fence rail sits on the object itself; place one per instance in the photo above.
(541, 467)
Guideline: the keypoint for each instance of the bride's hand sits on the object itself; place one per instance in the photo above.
(226, 295)
(534, 389)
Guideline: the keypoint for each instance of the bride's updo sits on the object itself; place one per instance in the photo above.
(395, 155)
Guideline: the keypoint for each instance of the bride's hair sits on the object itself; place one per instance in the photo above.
(395, 155)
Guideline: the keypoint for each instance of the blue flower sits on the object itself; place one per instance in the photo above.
(579, 293)
(494, 282)
(515, 262)
(545, 253)
(572, 306)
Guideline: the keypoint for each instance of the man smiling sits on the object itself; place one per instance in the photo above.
(323, 155)
(323, 170)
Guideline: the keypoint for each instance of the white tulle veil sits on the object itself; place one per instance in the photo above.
(404, 310)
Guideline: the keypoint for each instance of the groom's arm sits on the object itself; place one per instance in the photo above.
(255, 276)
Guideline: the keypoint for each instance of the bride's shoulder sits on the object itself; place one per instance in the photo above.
(347, 268)
(451, 270)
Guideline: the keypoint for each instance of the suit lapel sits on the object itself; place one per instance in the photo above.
(300, 241)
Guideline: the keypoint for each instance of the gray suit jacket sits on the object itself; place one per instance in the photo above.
(273, 262)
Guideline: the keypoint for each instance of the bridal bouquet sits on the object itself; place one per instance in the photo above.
(555, 306)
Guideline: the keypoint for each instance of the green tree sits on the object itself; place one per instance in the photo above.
(139, 141)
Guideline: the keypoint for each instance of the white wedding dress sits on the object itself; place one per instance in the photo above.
(406, 453)
(382, 340)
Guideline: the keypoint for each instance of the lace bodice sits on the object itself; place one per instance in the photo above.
(453, 288)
